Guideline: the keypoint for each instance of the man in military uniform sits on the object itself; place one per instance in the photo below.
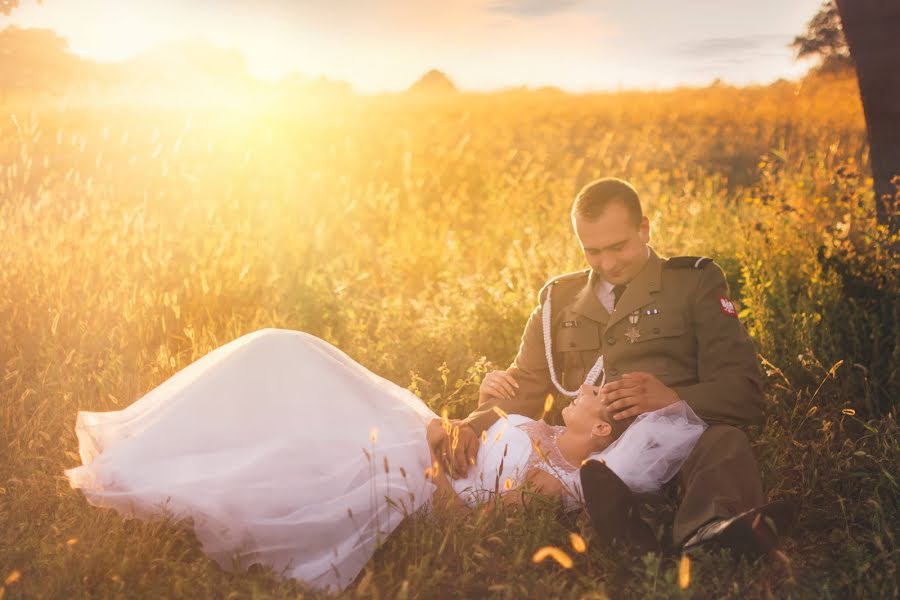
(666, 331)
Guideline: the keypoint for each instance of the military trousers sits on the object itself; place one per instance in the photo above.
(720, 479)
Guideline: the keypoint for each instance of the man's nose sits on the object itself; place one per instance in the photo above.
(607, 263)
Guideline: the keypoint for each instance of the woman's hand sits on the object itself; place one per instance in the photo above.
(537, 481)
(454, 451)
(497, 384)
(544, 483)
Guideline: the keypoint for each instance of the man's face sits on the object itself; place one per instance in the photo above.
(613, 245)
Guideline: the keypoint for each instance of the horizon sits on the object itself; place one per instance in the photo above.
(577, 47)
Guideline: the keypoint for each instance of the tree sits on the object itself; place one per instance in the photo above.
(871, 28)
(7, 6)
(824, 39)
(36, 60)
(433, 82)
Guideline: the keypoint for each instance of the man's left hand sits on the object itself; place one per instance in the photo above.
(636, 393)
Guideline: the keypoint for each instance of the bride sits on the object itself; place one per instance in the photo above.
(284, 451)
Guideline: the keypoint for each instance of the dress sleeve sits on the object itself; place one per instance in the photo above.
(654, 447)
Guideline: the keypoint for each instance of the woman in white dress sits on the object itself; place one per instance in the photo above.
(284, 451)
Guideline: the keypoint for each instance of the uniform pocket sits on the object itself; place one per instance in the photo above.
(577, 339)
(653, 328)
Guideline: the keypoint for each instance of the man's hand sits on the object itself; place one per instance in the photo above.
(636, 393)
(455, 450)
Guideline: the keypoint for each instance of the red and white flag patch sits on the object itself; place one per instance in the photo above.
(727, 306)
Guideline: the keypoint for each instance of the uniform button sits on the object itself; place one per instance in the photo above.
(656, 330)
(610, 340)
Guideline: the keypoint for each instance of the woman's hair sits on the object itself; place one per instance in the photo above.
(618, 425)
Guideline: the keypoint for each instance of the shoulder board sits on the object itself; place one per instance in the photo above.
(566, 277)
(688, 262)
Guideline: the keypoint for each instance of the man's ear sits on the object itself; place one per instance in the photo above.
(601, 429)
(644, 229)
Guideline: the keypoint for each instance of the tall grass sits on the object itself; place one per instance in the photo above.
(414, 233)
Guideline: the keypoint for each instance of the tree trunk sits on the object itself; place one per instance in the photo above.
(872, 29)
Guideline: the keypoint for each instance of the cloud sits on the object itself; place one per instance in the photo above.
(718, 47)
(531, 8)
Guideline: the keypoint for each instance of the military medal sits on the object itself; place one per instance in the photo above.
(633, 334)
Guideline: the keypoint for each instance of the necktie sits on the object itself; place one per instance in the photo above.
(617, 293)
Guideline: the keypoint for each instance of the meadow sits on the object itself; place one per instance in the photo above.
(414, 232)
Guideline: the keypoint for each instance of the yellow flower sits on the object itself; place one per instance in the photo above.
(13, 577)
(374, 435)
(548, 403)
(578, 543)
(684, 572)
(555, 553)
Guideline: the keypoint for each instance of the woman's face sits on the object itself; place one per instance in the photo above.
(587, 414)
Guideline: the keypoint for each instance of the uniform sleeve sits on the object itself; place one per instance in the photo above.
(530, 371)
(730, 383)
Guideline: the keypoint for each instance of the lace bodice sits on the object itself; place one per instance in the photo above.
(545, 454)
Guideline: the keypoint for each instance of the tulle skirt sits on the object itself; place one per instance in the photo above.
(281, 449)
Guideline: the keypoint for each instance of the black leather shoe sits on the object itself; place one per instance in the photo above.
(752, 533)
(613, 509)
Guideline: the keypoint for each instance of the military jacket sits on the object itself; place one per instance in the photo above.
(674, 320)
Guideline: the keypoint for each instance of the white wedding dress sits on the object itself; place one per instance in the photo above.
(284, 451)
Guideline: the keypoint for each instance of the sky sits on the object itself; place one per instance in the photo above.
(385, 45)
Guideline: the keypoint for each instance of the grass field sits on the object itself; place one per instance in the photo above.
(414, 233)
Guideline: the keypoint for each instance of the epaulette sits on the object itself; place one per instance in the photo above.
(565, 277)
(688, 262)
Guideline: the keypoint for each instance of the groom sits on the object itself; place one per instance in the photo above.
(666, 331)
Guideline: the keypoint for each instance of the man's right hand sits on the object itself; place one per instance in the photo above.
(455, 450)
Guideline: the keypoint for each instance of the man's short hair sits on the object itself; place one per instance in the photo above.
(595, 197)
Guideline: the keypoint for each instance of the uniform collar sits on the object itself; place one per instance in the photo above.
(645, 282)
(586, 302)
(638, 291)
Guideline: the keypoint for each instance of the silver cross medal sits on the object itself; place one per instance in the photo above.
(633, 334)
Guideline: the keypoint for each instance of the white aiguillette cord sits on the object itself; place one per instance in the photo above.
(592, 374)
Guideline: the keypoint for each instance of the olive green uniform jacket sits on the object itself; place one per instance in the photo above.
(689, 338)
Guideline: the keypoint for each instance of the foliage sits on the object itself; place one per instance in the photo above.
(824, 39)
(414, 233)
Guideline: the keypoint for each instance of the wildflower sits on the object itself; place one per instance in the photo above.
(849, 412)
(71, 541)
(684, 572)
(13, 577)
(374, 435)
(508, 484)
(500, 412)
(578, 543)
(555, 553)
